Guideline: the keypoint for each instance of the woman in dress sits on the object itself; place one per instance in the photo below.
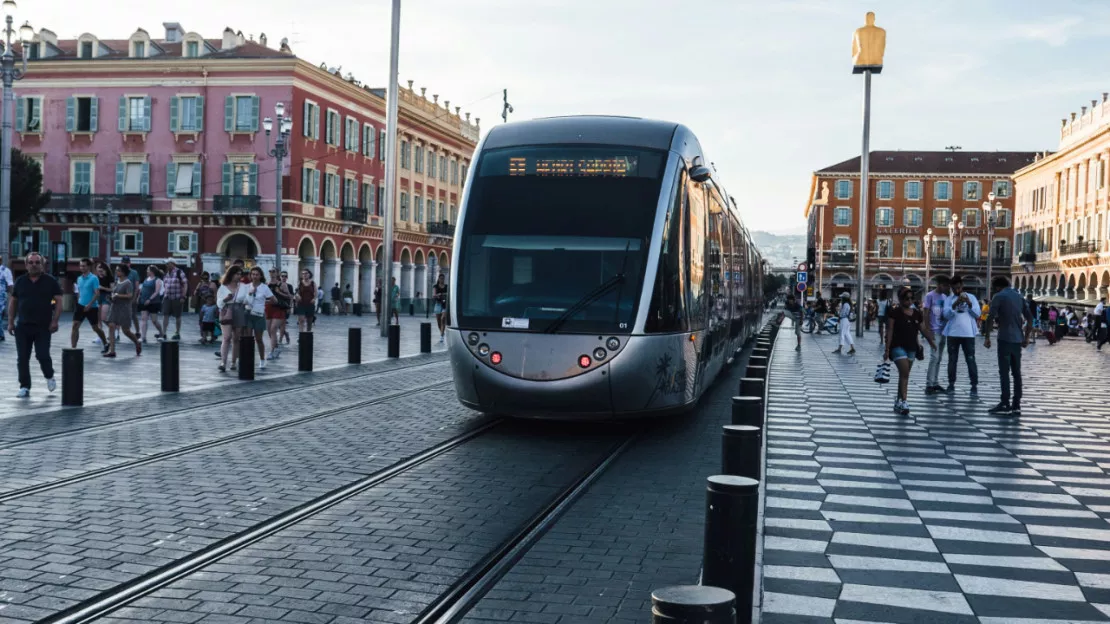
(306, 302)
(275, 312)
(150, 301)
(903, 324)
(439, 296)
(119, 317)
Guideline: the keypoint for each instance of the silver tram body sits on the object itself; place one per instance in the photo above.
(600, 271)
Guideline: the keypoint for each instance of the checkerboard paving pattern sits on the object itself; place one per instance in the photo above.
(948, 515)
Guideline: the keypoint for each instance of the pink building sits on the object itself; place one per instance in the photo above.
(165, 136)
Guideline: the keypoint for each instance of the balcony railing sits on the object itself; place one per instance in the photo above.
(442, 228)
(354, 214)
(86, 202)
(232, 204)
(1027, 258)
(1080, 248)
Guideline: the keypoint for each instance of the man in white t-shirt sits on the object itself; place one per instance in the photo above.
(961, 313)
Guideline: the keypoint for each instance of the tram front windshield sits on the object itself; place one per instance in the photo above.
(556, 238)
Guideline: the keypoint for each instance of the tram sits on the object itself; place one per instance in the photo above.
(601, 271)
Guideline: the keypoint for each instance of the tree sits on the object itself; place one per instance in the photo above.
(28, 197)
(772, 283)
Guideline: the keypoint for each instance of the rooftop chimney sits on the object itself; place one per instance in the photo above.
(1073, 116)
(48, 36)
(1083, 110)
(285, 46)
(174, 31)
(228, 40)
(239, 38)
(262, 39)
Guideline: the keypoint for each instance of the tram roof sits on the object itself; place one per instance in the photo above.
(585, 129)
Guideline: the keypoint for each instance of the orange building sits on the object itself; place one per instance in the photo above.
(911, 194)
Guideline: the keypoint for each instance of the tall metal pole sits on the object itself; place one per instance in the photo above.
(990, 237)
(820, 253)
(390, 169)
(8, 72)
(279, 150)
(865, 162)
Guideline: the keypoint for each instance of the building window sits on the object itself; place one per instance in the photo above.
(1003, 219)
(971, 218)
(842, 216)
(970, 249)
(140, 49)
(368, 140)
(419, 210)
(432, 163)
(884, 217)
(86, 49)
(885, 189)
(913, 190)
(134, 114)
(80, 244)
(183, 180)
(418, 161)
(942, 190)
(1001, 188)
(454, 172)
(350, 193)
(406, 154)
(331, 190)
(941, 216)
(971, 191)
(240, 179)
(351, 135)
(368, 198)
(381, 145)
(132, 178)
(841, 243)
(129, 241)
(33, 51)
(81, 180)
(187, 113)
(442, 168)
(308, 195)
(1102, 174)
(28, 114)
(192, 49)
(912, 217)
(843, 189)
(310, 124)
(462, 174)
(911, 248)
(403, 213)
(1001, 249)
(241, 113)
(442, 213)
(182, 242)
(331, 128)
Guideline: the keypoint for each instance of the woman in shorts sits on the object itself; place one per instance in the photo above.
(904, 323)
(258, 296)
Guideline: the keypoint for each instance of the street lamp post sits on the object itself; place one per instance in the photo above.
(280, 151)
(955, 233)
(9, 73)
(990, 210)
(110, 221)
(929, 239)
(390, 168)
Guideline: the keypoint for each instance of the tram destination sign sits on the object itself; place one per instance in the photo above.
(613, 166)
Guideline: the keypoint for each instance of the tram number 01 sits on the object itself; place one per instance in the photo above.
(623, 325)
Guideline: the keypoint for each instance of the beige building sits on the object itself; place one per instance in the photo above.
(1062, 251)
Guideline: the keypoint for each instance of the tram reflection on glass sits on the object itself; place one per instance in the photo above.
(601, 271)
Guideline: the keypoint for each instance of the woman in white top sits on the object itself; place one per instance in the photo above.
(226, 298)
(845, 314)
(257, 295)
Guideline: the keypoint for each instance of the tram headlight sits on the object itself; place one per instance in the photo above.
(495, 357)
(599, 354)
(483, 350)
(473, 338)
(613, 344)
(584, 361)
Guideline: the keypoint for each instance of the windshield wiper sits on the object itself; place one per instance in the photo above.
(592, 296)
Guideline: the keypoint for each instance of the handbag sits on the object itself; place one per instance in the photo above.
(226, 315)
(882, 373)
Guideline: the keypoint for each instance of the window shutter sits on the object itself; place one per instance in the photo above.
(327, 130)
(120, 167)
(226, 178)
(122, 114)
(16, 248)
(20, 113)
(94, 244)
(305, 181)
(316, 186)
(229, 115)
(65, 241)
(171, 178)
(116, 244)
(256, 106)
(199, 112)
(94, 114)
(175, 104)
(139, 241)
(44, 243)
(381, 145)
(144, 180)
(253, 179)
(71, 114)
(306, 121)
(354, 136)
(193, 242)
(171, 243)
(146, 113)
(198, 187)
(315, 122)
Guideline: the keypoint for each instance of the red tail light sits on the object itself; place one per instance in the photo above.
(584, 361)
(495, 357)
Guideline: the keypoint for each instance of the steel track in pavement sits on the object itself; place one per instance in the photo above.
(203, 406)
(200, 446)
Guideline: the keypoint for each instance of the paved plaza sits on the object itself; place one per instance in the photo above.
(950, 515)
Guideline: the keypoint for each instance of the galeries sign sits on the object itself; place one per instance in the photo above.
(938, 231)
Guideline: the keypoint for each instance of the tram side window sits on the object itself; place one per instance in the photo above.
(714, 261)
(666, 311)
(739, 270)
(696, 305)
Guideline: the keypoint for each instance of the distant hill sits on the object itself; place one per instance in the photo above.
(778, 249)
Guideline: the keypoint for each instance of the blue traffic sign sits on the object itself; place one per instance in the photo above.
(802, 277)
(801, 286)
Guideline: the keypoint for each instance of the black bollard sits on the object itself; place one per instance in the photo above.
(758, 360)
(171, 366)
(394, 347)
(747, 410)
(246, 358)
(756, 371)
(693, 604)
(354, 345)
(304, 352)
(751, 386)
(728, 557)
(425, 337)
(742, 451)
(73, 377)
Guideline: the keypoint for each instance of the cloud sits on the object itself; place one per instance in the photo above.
(1055, 32)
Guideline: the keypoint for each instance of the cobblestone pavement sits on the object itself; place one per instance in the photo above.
(950, 515)
(128, 377)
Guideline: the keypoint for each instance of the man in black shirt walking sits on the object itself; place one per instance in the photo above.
(35, 307)
(1015, 324)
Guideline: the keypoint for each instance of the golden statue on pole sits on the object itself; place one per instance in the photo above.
(868, 46)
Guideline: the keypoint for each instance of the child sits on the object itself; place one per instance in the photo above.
(208, 315)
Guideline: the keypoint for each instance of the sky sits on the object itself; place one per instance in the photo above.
(765, 84)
